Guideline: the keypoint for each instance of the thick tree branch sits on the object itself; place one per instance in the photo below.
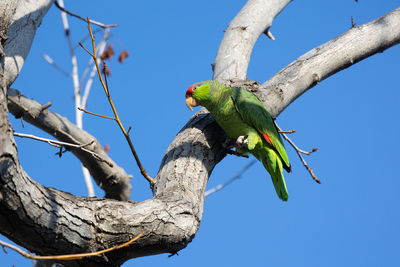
(26, 19)
(323, 61)
(113, 180)
(235, 50)
(47, 220)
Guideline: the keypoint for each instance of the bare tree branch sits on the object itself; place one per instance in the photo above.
(113, 180)
(325, 60)
(55, 65)
(61, 7)
(100, 49)
(231, 180)
(104, 84)
(235, 50)
(52, 221)
(77, 90)
(26, 19)
(299, 152)
(60, 144)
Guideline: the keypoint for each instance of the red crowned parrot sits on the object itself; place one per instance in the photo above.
(244, 118)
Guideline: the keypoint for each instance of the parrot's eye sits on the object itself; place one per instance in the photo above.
(194, 88)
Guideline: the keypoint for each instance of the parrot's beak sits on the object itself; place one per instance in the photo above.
(191, 102)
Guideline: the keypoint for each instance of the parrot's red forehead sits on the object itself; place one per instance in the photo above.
(189, 91)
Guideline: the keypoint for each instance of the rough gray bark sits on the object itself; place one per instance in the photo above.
(7, 10)
(26, 18)
(48, 221)
(112, 179)
(325, 60)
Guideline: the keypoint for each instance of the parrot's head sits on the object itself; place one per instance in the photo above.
(196, 94)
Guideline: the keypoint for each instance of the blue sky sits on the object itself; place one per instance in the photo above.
(351, 219)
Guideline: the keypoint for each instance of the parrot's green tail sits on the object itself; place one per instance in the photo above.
(273, 164)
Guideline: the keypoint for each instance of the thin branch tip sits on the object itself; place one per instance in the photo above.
(287, 132)
(81, 18)
(95, 114)
(68, 257)
(61, 145)
(228, 182)
(46, 106)
(299, 152)
(270, 35)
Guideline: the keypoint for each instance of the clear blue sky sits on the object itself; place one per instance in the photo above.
(351, 219)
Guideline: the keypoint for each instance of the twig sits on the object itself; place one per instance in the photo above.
(288, 132)
(87, 51)
(60, 144)
(353, 24)
(269, 34)
(237, 176)
(79, 17)
(117, 119)
(77, 93)
(95, 114)
(89, 82)
(52, 63)
(87, 36)
(46, 106)
(70, 256)
(299, 152)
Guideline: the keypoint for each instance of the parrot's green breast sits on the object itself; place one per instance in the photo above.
(230, 121)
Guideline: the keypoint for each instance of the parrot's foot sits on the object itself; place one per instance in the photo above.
(242, 141)
(229, 144)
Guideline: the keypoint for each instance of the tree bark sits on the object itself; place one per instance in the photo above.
(112, 179)
(325, 60)
(49, 221)
(26, 18)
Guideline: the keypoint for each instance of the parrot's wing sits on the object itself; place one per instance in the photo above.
(254, 113)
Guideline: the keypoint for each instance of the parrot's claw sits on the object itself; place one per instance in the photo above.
(242, 141)
(229, 143)
(232, 143)
(237, 153)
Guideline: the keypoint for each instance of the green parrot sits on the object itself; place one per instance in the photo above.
(244, 118)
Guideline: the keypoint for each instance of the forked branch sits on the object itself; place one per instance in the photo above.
(113, 180)
(60, 144)
(79, 17)
(299, 152)
(179, 191)
(116, 116)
